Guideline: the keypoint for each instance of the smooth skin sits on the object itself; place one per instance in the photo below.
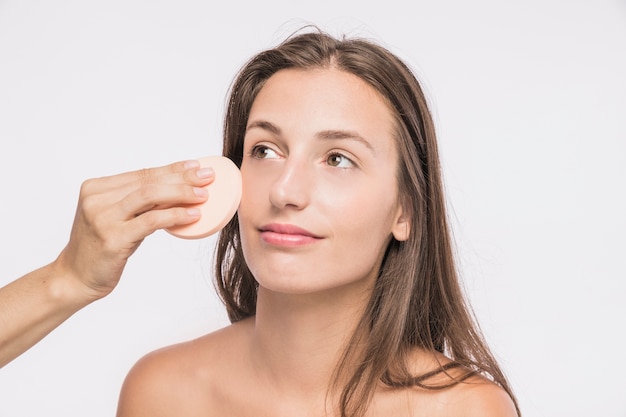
(113, 216)
(319, 205)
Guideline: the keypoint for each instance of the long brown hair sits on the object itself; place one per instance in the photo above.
(417, 301)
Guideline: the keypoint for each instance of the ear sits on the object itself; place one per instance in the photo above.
(401, 229)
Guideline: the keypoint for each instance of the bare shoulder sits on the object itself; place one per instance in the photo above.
(478, 397)
(473, 396)
(179, 380)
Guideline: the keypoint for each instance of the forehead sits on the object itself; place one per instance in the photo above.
(321, 99)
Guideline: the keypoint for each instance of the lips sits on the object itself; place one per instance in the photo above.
(287, 235)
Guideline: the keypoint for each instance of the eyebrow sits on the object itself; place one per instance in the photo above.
(344, 134)
(331, 134)
(262, 124)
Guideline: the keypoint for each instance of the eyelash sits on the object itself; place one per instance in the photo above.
(254, 153)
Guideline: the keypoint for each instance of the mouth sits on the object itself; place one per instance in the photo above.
(287, 235)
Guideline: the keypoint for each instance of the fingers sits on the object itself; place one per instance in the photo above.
(153, 220)
(188, 172)
(147, 193)
(145, 181)
(116, 213)
(158, 198)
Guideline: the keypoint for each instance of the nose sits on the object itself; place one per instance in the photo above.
(293, 186)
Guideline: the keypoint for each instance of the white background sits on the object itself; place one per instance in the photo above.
(530, 104)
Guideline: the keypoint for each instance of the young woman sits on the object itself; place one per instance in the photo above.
(337, 271)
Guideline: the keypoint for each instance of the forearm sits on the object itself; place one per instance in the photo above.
(32, 306)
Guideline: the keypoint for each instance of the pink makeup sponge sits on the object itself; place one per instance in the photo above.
(223, 201)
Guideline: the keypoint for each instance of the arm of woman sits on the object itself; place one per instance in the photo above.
(113, 216)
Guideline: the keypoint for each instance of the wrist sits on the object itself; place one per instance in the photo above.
(66, 289)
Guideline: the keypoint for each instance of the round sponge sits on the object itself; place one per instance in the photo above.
(223, 201)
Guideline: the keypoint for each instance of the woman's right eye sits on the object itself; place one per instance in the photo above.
(263, 152)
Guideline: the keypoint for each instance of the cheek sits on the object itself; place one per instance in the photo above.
(254, 188)
(367, 213)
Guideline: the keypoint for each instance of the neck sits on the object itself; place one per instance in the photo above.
(299, 339)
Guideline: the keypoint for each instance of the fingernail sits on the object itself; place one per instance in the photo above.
(205, 173)
(200, 192)
(193, 212)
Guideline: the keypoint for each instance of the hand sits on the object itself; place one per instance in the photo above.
(116, 213)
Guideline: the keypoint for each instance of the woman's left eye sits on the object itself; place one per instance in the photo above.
(339, 161)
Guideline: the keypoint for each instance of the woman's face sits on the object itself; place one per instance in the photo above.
(320, 195)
